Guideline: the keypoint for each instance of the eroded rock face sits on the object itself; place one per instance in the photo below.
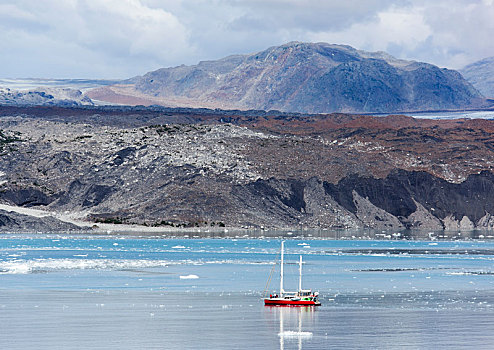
(323, 210)
(423, 219)
(486, 222)
(372, 216)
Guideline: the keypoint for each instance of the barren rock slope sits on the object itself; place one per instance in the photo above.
(216, 168)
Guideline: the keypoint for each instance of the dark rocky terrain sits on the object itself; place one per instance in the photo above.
(209, 168)
(301, 77)
(481, 75)
(15, 222)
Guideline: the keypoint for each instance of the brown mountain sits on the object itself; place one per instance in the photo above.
(301, 77)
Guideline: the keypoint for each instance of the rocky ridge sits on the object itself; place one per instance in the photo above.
(200, 168)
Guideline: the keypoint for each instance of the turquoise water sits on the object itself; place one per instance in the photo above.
(110, 292)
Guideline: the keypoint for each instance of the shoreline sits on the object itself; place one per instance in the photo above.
(126, 230)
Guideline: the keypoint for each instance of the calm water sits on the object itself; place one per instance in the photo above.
(66, 292)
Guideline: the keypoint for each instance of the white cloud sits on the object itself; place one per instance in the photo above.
(116, 36)
(395, 29)
(136, 28)
(10, 11)
(462, 30)
(122, 38)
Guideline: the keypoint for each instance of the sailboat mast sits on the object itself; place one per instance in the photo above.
(281, 269)
(300, 274)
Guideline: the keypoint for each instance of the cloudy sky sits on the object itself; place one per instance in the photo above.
(124, 38)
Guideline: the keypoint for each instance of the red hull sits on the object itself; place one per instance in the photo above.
(289, 302)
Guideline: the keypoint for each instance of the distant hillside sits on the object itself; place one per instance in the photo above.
(481, 75)
(301, 77)
(44, 97)
(48, 92)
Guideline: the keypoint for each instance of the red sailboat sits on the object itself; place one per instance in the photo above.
(302, 297)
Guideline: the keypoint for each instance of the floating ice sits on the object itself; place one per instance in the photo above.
(21, 266)
(11, 268)
(43, 265)
(189, 277)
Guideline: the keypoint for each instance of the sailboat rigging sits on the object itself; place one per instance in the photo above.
(302, 297)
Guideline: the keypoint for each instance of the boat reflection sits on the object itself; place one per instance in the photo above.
(295, 324)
